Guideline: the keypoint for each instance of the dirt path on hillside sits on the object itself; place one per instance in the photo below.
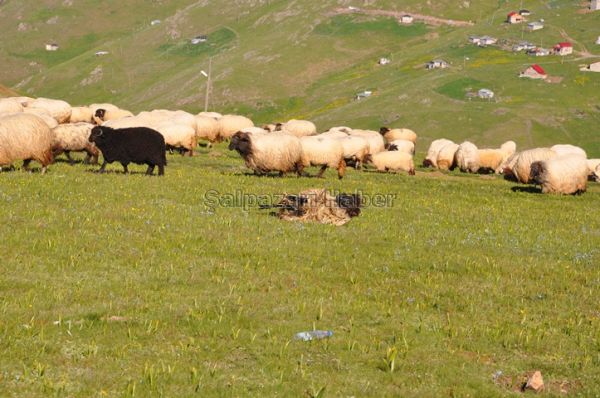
(584, 53)
(429, 20)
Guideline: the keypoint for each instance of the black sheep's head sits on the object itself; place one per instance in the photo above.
(350, 203)
(97, 134)
(100, 113)
(393, 147)
(241, 143)
(537, 168)
(383, 130)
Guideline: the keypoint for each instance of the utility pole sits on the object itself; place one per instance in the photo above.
(208, 83)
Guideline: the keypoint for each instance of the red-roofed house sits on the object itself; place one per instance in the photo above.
(514, 17)
(534, 72)
(564, 48)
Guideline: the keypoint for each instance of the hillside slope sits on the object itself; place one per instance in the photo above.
(278, 59)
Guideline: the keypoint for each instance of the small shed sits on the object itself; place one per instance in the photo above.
(539, 52)
(101, 53)
(406, 18)
(524, 46)
(487, 40)
(524, 12)
(595, 67)
(534, 72)
(437, 64)
(155, 22)
(536, 25)
(384, 61)
(199, 39)
(564, 48)
(514, 17)
(363, 94)
(485, 93)
(598, 40)
(52, 47)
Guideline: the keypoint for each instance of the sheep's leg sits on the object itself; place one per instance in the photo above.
(69, 158)
(26, 163)
(161, 170)
(191, 152)
(322, 171)
(125, 170)
(150, 170)
(101, 170)
(299, 169)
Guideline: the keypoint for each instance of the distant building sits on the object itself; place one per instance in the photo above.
(564, 48)
(514, 17)
(598, 40)
(534, 72)
(52, 47)
(406, 19)
(536, 25)
(155, 22)
(363, 94)
(595, 5)
(482, 41)
(437, 64)
(595, 67)
(524, 46)
(485, 93)
(384, 61)
(199, 39)
(539, 52)
(101, 53)
(524, 13)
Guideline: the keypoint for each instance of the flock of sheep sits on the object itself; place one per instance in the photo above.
(41, 129)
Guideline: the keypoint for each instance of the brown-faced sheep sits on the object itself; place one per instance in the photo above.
(403, 146)
(522, 168)
(566, 174)
(25, 137)
(398, 134)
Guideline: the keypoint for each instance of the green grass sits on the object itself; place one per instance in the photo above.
(218, 41)
(343, 25)
(457, 89)
(458, 278)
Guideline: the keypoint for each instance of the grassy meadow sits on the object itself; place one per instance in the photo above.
(124, 286)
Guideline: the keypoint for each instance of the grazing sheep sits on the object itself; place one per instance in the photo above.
(433, 151)
(334, 134)
(403, 146)
(392, 161)
(264, 153)
(42, 114)
(593, 165)
(102, 115)
(207, 128)
(355, 149)
(214, 115)
(445, 157)
(375, 140)
(271, 127)
(339, 129)
(24, 101)
(74, 137)
(58, 109)
(299, 128)
(522, 167)
(25, 137)
(491, 159)
(254, 130)
(398, 134)
(467, 157)
(231, 124)
(566, 174)
(566, 149)
(81, 114)
(10, 105)
(324, 152)
(507, 166)
(138, 145)
(597, 173)
(105, 106)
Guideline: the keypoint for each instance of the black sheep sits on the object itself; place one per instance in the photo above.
(139, 145)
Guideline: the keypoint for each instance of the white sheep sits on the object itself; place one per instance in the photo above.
(355, 148)
(74, 137)
(24, 101)
(375, 140)
(593, 165)
(446, 156)
(81, 114)
(105, 106)
(522, 167)
(299, 128)
(214, 115)
(231, 124)
(334, 134)
(58, 109)
(43, 114)
(25, 137)
(264, 153)
(392, 161)
(491, 159)
(10, 105)
(398, 134)
(566, 149)
(103, 115)
(597, 173)
(433, 152)
(403, 146)
(566, 174)
(339, 129)
(467, 157)
(324, 152)
(207, 128)
(507, 166)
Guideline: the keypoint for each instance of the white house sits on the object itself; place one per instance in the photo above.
(364, 94)
(595, 67)
(384, 61)
(485, 93)
(52, 47)
(155, 22)
(598, 41)
(595, 5)
(406, 19)
(199, 39)
(536, 25)
(437, 64)
(101, 53)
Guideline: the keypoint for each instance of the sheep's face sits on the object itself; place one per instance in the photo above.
(537, 168)
(383, 130)
(350, 203)
(241, 143)
(96, 134)
(393, 147)
(100, 113)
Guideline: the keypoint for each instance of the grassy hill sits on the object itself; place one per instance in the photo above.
(278, 59)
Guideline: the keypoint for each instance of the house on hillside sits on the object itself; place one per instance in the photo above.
(363, 94)
(52, 47)
(384, 61)
(534, 72)
(514, 17)
(595, 67)
(595, 5)
(536, 25)
(155, 22)
(437, 64)
(539, 52)
(485, 93)
(524, 13)
(406, 19)
(482, 41)
(101, 53)
(598, 40)
(523, 46)
(199, 39)
(564, 48)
